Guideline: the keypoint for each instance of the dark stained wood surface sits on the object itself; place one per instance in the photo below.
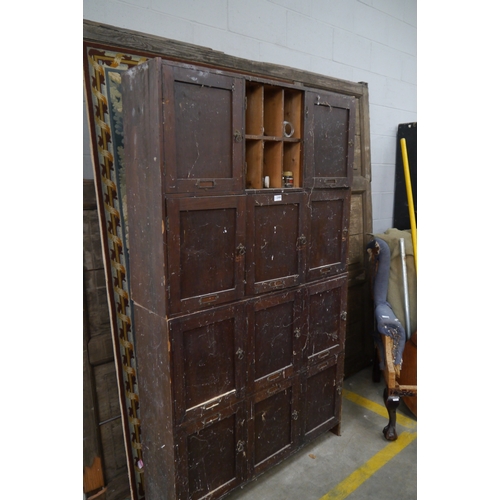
(157, 408)
(276, 335)
(276, 241)
(359, 346)
(274, 425)
(360, 183)
(328, 228)
(329, 150)
(209, 352)
(206, 241)
(322, 400)
(203, 132)
(326, 313)
(228, 248)
(145, 187)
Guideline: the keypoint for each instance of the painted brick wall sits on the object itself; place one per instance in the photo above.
(373, 41)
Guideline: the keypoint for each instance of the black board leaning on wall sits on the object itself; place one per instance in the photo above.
(401, 217)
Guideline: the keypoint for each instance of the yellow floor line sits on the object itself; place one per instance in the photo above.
(379, 409)
(360, 475)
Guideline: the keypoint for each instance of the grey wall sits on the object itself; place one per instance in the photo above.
(373, 41)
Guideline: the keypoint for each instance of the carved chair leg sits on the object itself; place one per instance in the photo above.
(391, 403)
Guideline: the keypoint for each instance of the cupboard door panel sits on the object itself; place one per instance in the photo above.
(274, 425)
(322, 399)
(211, 455)
(328, 226)
(209, 351)
(277, 241)
(330, 129)
(206, 237)
(275, 327)
(326, 313)
(204, 118)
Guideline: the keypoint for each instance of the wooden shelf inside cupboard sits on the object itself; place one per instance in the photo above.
(273, 136)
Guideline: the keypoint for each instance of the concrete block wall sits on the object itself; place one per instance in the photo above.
(373, 41)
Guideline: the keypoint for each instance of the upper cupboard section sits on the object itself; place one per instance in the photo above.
(329, 149)
(214, 132)
(203, 124)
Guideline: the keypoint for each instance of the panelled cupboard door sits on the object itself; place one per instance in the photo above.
(209, 351)
(326, 312)
(211, 455)
(322, 397)
(203, 130)
(275, 326)
(206, 257)
(276, 241)
(328, 229)
(274, 424)
(329, 145)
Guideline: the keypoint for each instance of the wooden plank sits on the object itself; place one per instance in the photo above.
(407, 388)
(173, 49)
(89, 195)
(389, 371)
(92, 250)
(114, 451)
(111, 432)
(93, 476)
(107, 392)
(97, 302)
(100, 349)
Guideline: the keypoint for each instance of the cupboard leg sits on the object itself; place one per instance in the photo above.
(391, 403)
(336, 430)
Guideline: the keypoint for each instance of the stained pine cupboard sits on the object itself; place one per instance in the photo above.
(238, 195)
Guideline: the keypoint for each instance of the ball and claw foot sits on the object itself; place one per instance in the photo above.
(391, 403)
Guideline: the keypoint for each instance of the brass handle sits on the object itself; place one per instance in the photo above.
(205, 184)
(240, 353)
(208, 299)
(295, 414)
(274, 377)
(323, 365)
(277, 284)
(212, 405)
(343, 315)
(297, 333)
(237, 136)
(212, 420)
(240, 446)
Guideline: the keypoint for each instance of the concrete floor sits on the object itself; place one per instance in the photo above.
(359, 465)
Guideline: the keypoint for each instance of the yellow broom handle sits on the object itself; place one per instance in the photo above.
(410, 199)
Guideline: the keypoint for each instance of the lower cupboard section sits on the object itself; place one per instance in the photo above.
(233, 445)
(211, 455)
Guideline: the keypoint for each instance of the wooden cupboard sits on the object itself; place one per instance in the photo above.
(239, 289)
